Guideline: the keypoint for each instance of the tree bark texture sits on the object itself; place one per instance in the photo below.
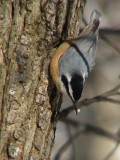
(28, 99)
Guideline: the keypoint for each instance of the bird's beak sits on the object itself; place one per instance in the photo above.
(76, 111)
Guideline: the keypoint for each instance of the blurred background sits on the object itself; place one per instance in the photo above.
(104, 76)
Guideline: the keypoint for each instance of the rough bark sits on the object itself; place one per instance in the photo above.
(29, 101)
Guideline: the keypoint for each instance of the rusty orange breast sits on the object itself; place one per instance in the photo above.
(54, 70)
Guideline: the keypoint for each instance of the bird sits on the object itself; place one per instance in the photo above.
(73, 60)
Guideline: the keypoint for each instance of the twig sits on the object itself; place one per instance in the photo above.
(102, 33)
(72, 144)
(85, 127)
(112, 92)
(91, 128)
(114, 148)
(66, 145)
(111, 43)
(109, 31)
(86, 102)
(111, 152)
(99, 98)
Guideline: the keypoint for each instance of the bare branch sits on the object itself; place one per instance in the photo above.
(100, 98)
(112, 92)
(91, 128)
(111, 152)
(84, 128)
(72, 144)
(102, 33)
(109, 31)
(110, 42)
(67, 144)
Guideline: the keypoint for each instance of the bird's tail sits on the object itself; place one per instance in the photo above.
(95, 20)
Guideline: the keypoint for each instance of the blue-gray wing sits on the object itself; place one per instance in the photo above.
(79, 57)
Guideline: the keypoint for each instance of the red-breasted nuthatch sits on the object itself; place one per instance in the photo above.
(73, 60)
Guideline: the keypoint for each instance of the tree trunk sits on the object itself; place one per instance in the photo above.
(29, 101)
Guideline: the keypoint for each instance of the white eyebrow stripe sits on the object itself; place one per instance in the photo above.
(69, 86)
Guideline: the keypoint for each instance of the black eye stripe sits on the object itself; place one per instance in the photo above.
(77, 86)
